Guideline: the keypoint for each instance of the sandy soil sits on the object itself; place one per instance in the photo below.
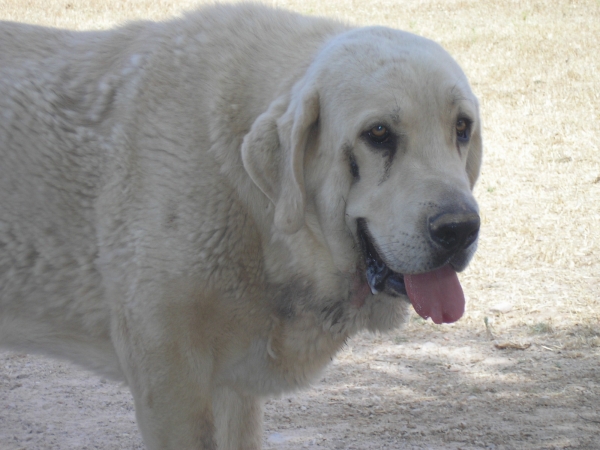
(424, 388)
(521, 369)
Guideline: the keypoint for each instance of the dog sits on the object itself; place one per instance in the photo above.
(208, 208)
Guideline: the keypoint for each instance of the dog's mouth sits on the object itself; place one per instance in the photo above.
(436, 294)
(379, 276)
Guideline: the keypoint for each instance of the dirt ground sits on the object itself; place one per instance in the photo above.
(521, 370)
(424, 388)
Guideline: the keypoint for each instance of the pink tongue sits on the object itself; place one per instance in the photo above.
(436, 294)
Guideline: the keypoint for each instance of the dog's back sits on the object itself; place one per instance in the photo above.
(52, 161)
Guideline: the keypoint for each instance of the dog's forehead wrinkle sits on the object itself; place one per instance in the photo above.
(456, 96)
(395, 114)
(461, 92)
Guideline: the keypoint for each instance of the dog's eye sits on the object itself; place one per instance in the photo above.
(379, 134)
(462, 130)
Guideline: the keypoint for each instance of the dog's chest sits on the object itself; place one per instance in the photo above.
(291, 355)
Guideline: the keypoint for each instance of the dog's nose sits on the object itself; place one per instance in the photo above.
(454, 231)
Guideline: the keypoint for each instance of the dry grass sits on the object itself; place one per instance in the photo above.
(536, 67)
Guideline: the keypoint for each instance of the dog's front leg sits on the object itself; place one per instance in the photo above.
(170, 378)
(238, 420)
(171, 416)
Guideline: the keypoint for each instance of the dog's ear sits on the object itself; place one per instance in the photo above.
(273, 153)
(475, 156)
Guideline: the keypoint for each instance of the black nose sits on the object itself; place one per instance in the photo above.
(454, 231)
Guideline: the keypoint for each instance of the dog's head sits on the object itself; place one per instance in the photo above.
(381, 143)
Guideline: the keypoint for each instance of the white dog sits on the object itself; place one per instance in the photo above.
(208, 208)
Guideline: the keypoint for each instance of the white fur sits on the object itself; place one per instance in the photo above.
(177, 211)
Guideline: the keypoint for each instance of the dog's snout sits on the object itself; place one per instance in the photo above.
(454, 231)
